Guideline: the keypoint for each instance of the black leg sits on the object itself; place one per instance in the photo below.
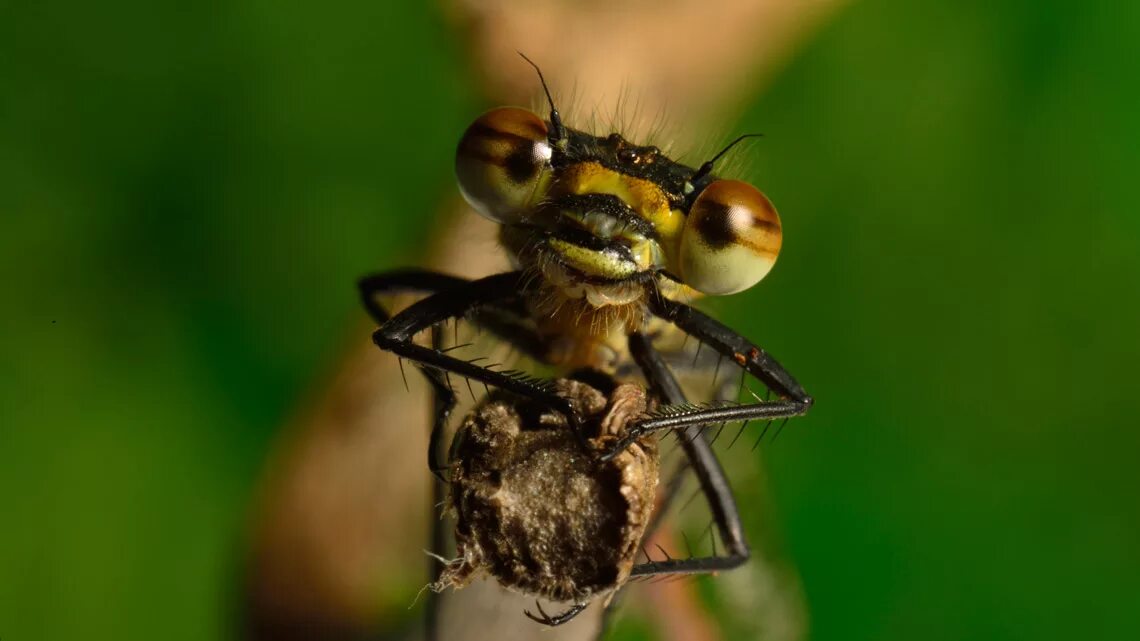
(443, 397)
(507, 319)
(726, 382)
(421, 281)
(705, 465)
(402, 281)
(793, 401)
(727, 342)
(558, 619)
(397, 334)
(492, 307)
(668, 494)
(504, 320)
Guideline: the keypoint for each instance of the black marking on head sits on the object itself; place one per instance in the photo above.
(617, 250)
(616, 153)
(583, 238)
(610, 205)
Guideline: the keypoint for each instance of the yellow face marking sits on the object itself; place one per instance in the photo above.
(642, 196)
(589, 261)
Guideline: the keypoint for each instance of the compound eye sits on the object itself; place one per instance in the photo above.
(731, 238)
(501, 162)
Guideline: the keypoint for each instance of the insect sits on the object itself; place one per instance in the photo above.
(609, 238)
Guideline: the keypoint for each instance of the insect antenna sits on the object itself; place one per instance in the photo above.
(705, 169)
(559, 133)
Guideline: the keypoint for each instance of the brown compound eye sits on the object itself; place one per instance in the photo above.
(502, 162)
(731, 238)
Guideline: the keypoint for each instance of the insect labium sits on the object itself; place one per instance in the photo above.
(610, 239)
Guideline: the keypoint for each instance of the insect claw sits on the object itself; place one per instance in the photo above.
(542, 617)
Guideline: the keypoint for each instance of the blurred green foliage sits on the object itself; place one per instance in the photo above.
(188, 191)
(960, 291)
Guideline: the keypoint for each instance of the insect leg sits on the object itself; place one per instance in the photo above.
(793, 401)
(402, 281)
(705, 465)
(503, 319)
(732, 345)
(443, 400)
(506, 319)
(704, 415)
(397, 334)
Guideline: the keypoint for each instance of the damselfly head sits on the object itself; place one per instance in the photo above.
(591, 211)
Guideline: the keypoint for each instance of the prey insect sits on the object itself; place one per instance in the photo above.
(609, 239)
(542, 518)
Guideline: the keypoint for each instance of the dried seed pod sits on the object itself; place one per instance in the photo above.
(538, 512)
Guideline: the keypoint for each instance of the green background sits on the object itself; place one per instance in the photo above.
(188, 191)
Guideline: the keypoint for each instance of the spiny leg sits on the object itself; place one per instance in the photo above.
(793, 400)
(705, 465)
(731, 344)
(420, 281)
(409, 281)
(724, 392)
(503, 319)
(667, 494)
(713, 483)
(692, 367)
(398, 333)
(685, 416)
(401, 281)
(506, 320)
